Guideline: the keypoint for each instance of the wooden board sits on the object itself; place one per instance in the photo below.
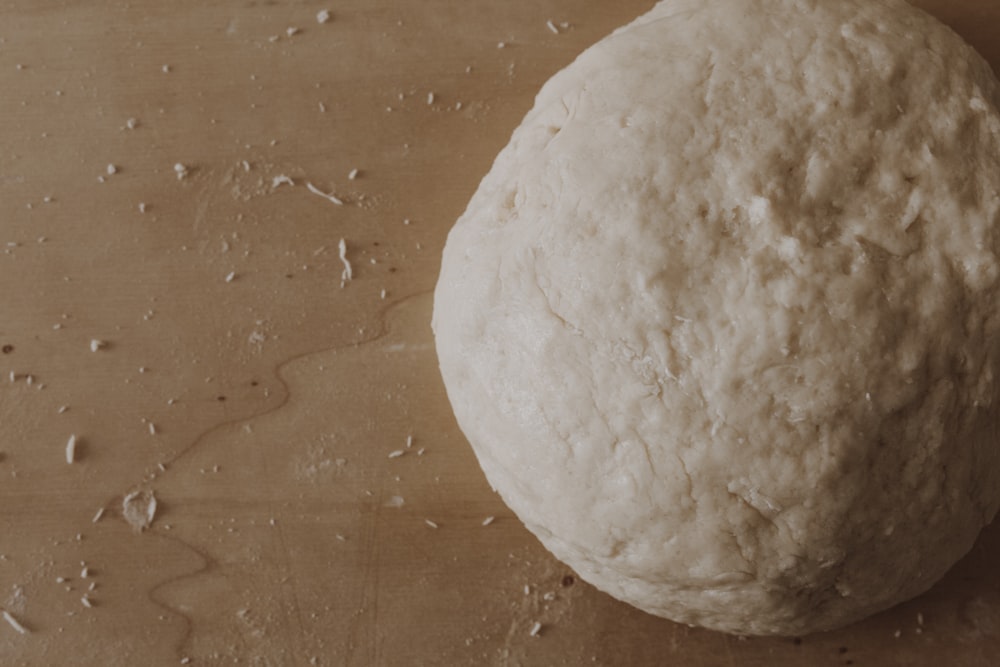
(258, 398)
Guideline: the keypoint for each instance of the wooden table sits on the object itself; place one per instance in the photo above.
(173, 301)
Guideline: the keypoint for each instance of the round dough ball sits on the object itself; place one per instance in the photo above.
(722, 321)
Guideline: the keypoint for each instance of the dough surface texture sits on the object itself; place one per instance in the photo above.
(721, 323)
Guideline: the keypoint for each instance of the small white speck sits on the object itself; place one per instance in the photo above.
(14, 623)
(322, 107)
(98, 515)
(552, 27)
(406, 221)
(185, 660)
(152, 428)
(85, 601)
(430, 98)
(71, 449)
(112, 170)
(323, 16)
(291, 32)
(488, 520)
(131, 123)
(231, 276)
(396, 454)
(501, 45)
(897, 634)
(430, 524)
(142, 207)
(527, 589)
(84, 573)
(535, 629)
(62, 409)
(181, 170)
(420, 452)
(920, 618)
(96, 344)
(166, 69)
(381, 294)
(353, 174)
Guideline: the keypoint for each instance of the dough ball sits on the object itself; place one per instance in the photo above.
(722, 321)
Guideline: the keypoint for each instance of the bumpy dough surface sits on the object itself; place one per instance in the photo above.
(722, 321)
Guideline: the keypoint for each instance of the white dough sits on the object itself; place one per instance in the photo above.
(722, 321)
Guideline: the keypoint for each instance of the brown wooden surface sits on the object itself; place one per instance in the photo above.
(278, 396)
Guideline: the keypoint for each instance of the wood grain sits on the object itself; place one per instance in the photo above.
(284, 533)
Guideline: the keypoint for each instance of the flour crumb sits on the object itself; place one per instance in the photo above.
(536, 629)
(396, 454)
(142, 207)
(323, 16)
(348, 273)
(395, 501)
(409, 439)
(85, 601)
(62, 409)
(152, 428)
(353, 174)
(552, 27)
(488, 520)
(139, 509)
(98, 515)
(112, 170)
(291, 32)
(13, 622)
(430, 98)
(97, 344)
(71, 449)
(131, 124)
(231, 276)
(181, 170)
(281, 179)
(431, 524)
(330, 197)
